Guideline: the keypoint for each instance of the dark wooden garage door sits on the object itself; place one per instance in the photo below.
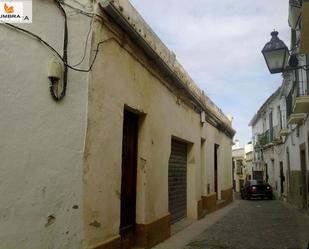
(177, 181)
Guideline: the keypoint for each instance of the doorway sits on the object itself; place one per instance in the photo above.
(241, 184)
(282, 178)
(288, 171)
(128, 179)
(303, 175)
(216, 147)
(177, 181)
(266, 172)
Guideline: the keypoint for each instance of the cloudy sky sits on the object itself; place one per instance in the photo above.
(219, 43)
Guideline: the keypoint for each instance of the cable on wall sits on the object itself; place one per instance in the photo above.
(55, 52)
(54, 87)
(86, 45)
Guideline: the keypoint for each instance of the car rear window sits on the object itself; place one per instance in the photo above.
(257, 182)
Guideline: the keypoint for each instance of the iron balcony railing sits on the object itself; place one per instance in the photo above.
(264, 138)
(268, 137)
(302, 84)
(300, 88)
(289, 103)
(276, 133)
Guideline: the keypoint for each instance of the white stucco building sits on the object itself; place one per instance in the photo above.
(280, 128)
(242, 164)
(268, 157)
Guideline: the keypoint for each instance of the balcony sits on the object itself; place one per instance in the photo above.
(297, 101)
(264, 138)
(298, 98)
(301, 104)
(276, 135)
(269, 138)
(297, 119)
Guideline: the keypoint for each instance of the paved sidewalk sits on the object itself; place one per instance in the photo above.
(185, 236)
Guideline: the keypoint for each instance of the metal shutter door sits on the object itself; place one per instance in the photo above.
(177, 181)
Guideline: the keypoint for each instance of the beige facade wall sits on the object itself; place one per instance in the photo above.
(124, 78)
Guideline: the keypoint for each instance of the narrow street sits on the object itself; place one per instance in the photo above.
(131, 124)
(260, 224)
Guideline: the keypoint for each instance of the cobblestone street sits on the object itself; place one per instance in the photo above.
(257, 224)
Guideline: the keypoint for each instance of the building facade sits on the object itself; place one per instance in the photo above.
(113, 150)
(268, 127)
(280, 128)
(242, 164)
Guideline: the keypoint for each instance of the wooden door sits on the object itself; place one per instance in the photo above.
(129, 172)
(282, 178)
(216, 169)
(304, 177)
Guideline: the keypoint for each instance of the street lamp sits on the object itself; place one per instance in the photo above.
(277, 56)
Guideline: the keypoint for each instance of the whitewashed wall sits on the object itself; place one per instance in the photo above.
(42, 141)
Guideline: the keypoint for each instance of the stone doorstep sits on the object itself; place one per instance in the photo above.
(219, 204)
(180, 225)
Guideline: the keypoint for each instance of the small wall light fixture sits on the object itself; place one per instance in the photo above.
(55, 75)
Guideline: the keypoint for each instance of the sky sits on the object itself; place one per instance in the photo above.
(219, 43)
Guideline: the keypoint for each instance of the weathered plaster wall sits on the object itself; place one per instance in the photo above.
(124, 77)
(126, 82)
(42, 141)
(224, 159)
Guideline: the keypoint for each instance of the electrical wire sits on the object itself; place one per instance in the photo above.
(86, 44)
(54, 87)
(55, 52)
(80, 11)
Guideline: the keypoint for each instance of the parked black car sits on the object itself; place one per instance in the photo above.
(256, 188)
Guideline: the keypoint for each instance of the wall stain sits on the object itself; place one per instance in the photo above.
(95, 224)
(51, 219)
